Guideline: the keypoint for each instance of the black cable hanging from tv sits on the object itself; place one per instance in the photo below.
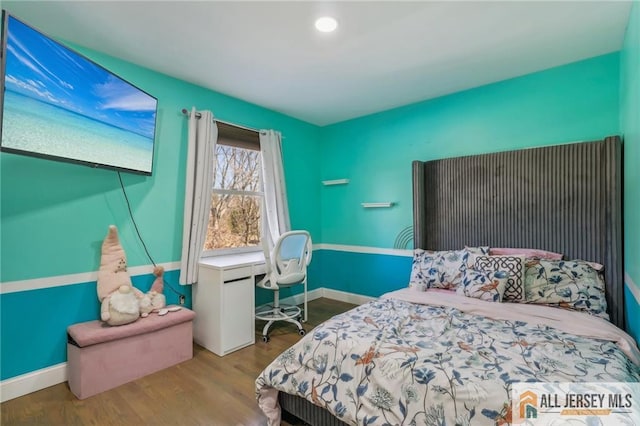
(135, 225)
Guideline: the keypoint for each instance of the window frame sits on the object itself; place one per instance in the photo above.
(243, 138)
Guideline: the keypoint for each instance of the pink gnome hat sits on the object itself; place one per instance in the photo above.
(113, 265)
(158, 284)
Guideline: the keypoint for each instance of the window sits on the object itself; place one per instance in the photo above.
(234, 217)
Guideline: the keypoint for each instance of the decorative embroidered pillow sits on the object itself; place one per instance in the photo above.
(514, 265)
(569, 284)
(484, 285)
(439, 269)
(526, 252)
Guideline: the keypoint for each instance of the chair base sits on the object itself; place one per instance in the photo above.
(287, 313)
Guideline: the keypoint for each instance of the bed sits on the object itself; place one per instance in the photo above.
(443, 353)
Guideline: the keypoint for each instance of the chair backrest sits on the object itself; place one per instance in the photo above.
(291, 255)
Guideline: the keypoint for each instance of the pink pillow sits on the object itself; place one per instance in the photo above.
(526, 252)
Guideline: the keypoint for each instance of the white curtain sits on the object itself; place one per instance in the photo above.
(201, 161)
(275, 214)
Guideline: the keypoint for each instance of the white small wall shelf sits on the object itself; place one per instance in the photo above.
(377, 205)
(335, 182)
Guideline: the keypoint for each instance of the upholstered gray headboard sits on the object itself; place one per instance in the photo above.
(563, 198)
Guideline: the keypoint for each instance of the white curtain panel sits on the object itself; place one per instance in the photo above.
(201, 154)
(275, 212)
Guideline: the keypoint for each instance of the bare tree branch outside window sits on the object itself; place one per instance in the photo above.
(234, 219)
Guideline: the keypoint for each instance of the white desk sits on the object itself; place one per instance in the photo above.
(230, 261)
(224, 301)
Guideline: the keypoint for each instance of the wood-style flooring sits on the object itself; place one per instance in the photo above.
(206, 390)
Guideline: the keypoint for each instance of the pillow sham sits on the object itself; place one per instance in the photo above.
(418, 280)
(569, 284)
(439, 269)
(514, 265)
(474, 252)
(483, 285)
(526, 252)
(482, 250)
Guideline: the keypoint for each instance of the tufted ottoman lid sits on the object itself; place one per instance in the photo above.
(94, 332)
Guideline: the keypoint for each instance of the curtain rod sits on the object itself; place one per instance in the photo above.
(198, 115)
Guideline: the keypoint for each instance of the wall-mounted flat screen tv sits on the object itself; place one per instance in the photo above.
(60, 105)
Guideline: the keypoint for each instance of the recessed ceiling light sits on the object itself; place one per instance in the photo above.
(326, 24)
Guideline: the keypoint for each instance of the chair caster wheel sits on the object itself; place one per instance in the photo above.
(265, 339)
(302, 332)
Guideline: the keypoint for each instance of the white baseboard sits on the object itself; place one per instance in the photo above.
(298, 299)
(343, 296)
(33, 381)
(40, 379)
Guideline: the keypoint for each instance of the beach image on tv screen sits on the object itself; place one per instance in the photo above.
(58, 103)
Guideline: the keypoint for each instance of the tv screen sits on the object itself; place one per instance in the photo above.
(58, 104)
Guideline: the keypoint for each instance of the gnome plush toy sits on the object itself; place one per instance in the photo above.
(158, 300)
(119, 298)
(154, 300)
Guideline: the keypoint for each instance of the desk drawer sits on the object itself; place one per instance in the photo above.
(236, 273)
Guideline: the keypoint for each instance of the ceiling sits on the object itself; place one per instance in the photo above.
(383, 54)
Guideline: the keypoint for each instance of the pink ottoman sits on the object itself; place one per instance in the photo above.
(101, 357)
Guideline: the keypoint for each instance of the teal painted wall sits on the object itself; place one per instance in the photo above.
(632, 314)
(33, 323)
(579, 101)
(54, 215)
(50, 208)
(564, 104)
(630, 127)
(363, 273)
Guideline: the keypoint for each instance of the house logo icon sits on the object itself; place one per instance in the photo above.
(528, 405)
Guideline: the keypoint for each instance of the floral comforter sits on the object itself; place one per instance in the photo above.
(395, 362)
